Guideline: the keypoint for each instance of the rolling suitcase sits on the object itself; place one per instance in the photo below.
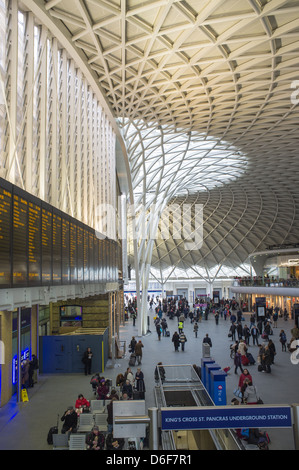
(251, 359)
(245, 361)
(132, 360)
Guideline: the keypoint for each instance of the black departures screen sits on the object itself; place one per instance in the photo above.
(42, 246)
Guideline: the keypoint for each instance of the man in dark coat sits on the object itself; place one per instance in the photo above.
(70, 421)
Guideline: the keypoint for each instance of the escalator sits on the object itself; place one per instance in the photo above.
(179, 386)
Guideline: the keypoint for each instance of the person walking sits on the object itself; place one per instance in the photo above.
(238, 362)
(267, 360)
(138, 352)
(132, 345)
(272, 350)
(195, 329)
(159, 372)
(164, 326)
(158, 330)
(283, 340)
(176, 340)
(183, 340)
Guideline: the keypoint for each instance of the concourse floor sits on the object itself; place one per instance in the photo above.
(24, 426)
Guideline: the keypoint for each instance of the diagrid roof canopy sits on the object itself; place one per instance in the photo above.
(206, 95)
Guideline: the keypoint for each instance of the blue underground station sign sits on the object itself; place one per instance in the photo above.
(226, 417)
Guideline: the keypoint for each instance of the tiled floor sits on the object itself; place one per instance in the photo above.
(25, 425)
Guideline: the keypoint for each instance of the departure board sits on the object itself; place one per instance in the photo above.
(90, 256)
(5, 235)
(80, 253)
(46, 245)
(86, 256)
(34, 249)
(96, 258)
(42, 246)
(73, 253)
(66, 271)
(19, 241)
(100, 257)
(56, 247)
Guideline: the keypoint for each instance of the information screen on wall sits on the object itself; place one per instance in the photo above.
(46, 235)
(42, 246)
(5, 235)
(57, 248)
(19, 241)
(34, 248)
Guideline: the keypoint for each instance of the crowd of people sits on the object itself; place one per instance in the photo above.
(130, 384)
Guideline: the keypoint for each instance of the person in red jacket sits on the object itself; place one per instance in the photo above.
(81, 404)
(245, 375)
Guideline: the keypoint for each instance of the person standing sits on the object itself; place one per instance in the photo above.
(195, 329)
(246, 332)
(254, 333)
(207, 340)
(139, 381)
(87, 361)
(232, 330)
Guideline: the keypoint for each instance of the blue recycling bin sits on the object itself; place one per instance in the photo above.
(209, 368)
(218, 387)
(204, 361)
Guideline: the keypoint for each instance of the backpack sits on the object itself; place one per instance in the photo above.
(245, 434)
(283, 338)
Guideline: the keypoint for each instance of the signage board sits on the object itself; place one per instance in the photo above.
(226, 417)
(42, 246)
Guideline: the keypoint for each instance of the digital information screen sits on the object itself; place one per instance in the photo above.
(46, 234)
(56, 247)
(19, 241)
(66, 271)
(42, 246)
(80, 253)
(5, 235)
(73, 253)
(34, 248)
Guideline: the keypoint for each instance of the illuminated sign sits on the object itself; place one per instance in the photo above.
(24, 356)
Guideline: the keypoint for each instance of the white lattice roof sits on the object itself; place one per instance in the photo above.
(202, 91)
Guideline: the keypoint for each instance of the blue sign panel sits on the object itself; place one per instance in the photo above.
(228, 417)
